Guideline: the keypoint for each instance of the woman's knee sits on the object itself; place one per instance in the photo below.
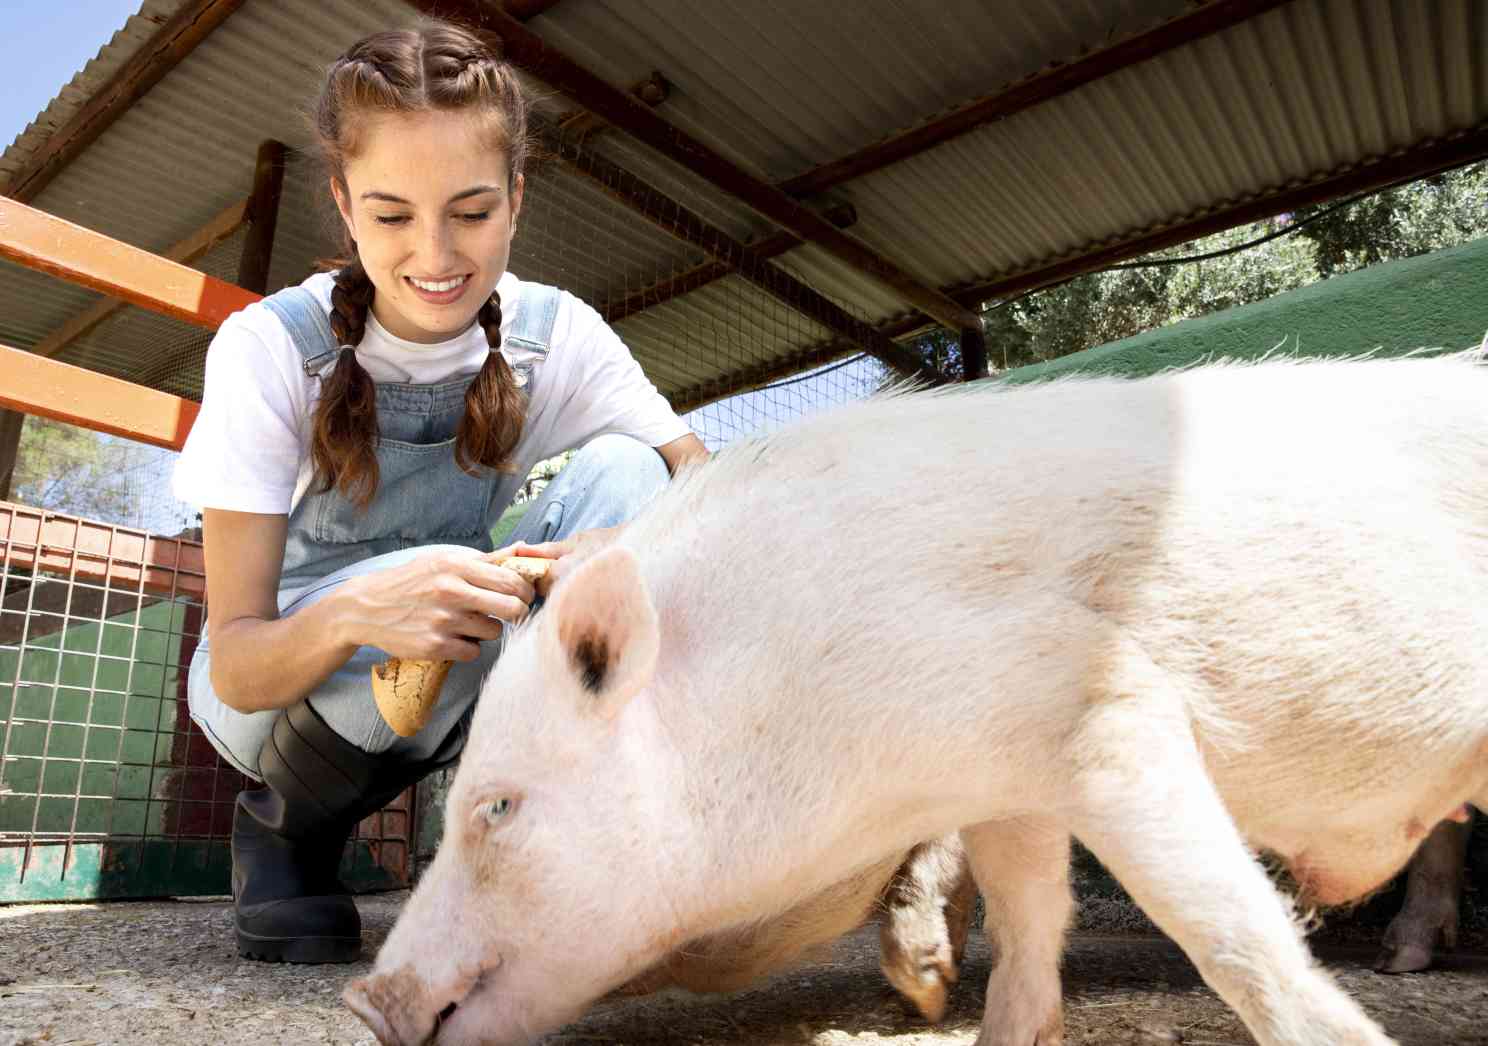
(623, 461)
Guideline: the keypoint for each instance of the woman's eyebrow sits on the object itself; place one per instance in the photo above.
(474, 190)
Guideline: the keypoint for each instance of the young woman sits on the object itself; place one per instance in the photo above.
(359, 436)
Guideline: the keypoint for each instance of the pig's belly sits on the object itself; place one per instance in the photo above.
(1336, 861)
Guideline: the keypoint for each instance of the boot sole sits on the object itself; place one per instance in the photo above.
(307, 950)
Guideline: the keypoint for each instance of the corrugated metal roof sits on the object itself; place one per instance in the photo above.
(1288, 97)
(135, 33)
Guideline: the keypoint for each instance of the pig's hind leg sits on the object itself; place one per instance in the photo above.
(1432, 892)
(1022, 869)
(927, 907)
(1145, 806)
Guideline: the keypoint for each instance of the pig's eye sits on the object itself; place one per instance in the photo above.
(497, 810)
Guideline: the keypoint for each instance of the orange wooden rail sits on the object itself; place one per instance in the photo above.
(33, 384)
(39, 241)
(123, 559)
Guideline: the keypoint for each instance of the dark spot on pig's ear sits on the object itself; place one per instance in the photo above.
(591, 655)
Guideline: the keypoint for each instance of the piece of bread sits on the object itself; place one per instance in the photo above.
(407, 689)
(406, 692)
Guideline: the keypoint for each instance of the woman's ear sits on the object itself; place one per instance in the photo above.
(519, 183)
(343, 204)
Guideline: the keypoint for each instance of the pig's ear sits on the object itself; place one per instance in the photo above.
(600, 632)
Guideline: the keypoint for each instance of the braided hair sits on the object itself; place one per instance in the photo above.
(437, 66)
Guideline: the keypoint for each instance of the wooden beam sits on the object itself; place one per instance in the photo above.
(1042, 87)
(11, 422)
(524, 10)
(747, 379)
(530, 52)
(227, 222)
(754, 376)
(263, 216)
(973, 354)
(671, 216)
(36, 385)
(172, 42)
(690, 280)
(128, 561)
(37, 240)
(1366, 176)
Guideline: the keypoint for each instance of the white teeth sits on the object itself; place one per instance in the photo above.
(437, 287)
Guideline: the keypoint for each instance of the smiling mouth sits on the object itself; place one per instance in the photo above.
(438, 286)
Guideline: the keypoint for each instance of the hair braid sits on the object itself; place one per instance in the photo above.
(494, 406)
(343, 443)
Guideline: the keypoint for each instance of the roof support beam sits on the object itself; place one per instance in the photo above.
(691, 280)
(1365, 176)
(671, 216)
(530, 52)
(172, 42)
(1212, 17)
(747, 379)
(263, 216)
(1042, 87)
(11, 422)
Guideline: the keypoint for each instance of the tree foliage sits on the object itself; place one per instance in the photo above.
(73, 470)
(1426, 215)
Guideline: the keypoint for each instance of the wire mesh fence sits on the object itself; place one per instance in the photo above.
(107, 789)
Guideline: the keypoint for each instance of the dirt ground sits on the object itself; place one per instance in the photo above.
(166, 973)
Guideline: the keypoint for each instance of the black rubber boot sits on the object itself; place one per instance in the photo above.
(287, 838)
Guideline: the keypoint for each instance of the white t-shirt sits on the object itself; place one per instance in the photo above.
(249, 450)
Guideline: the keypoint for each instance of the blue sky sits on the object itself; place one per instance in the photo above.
(42, 44)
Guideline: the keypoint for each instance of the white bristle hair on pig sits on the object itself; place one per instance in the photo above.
(1185, 619)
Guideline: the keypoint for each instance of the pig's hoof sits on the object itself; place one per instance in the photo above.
(928, 989)
(930, 1000)
(1410, 957)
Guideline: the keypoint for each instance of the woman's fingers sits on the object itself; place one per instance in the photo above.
(495, 590)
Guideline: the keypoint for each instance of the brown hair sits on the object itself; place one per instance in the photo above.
(436, 67)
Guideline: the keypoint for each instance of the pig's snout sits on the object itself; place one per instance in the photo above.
(404, 1010)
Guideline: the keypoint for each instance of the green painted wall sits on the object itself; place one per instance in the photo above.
(1437, 302)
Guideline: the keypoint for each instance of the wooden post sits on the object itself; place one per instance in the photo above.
(10, 445)
(263, 216)
(973, 354)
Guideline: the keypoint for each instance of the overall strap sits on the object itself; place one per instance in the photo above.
(309, 327)
(536, 312)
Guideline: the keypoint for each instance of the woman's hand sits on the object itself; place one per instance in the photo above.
(436, 607)
(569, 552)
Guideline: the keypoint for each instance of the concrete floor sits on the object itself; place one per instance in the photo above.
(166, 973)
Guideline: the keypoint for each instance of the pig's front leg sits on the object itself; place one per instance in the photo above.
(1147, 809)
(1432, 892)
(1022, 868)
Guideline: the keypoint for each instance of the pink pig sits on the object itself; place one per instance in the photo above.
(1181, 618)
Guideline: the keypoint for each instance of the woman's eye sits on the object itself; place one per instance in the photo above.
(391, 219)
(475, 216)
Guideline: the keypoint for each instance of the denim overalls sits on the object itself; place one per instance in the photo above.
(424, 502)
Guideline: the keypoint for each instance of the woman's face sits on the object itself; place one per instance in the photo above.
(427, 201)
